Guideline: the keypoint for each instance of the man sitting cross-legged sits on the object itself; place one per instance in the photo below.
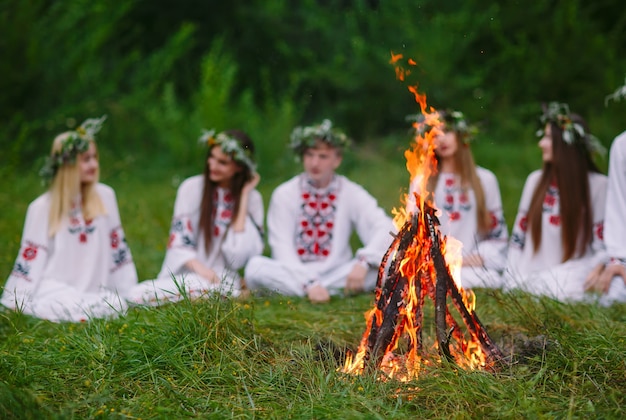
(310, 221)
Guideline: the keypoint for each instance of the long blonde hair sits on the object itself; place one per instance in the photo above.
(465, 167)
(66, 187)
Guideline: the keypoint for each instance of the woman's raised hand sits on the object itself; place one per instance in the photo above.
(252, 182)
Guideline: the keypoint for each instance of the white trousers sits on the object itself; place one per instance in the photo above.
(266, 273)
(565, 283)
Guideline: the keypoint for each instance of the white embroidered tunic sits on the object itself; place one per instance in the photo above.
(615, 235)
(543, 272)
(229, 251)
(309, 235)
(615, 217)
(84, 270)
(458, 219)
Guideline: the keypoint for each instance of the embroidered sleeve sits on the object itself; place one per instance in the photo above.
(493, 245)
(239, 247)
(598, 185)
(518, 233)
(31, 259)
(373, 226)
(123, 274)
(184, 240)
(498, 229)
(120, 251)
(182, 234)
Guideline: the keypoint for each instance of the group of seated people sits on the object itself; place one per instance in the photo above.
(74, 262)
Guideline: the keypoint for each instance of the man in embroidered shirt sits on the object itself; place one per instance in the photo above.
(310, 221)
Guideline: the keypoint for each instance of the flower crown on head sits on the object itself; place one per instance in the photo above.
(573, 132)
(77, 141)
(619, 93)
(450, 120)
(229, 145)
(303, 138)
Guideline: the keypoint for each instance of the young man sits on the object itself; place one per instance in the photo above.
(310, 221)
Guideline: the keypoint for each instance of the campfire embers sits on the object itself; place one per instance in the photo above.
(413, 269)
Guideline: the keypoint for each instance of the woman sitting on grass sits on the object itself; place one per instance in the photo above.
(74, 262)
(217, 225)
(557, 237)
(469, 198)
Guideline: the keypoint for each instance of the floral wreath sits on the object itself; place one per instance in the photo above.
(452, 121)
(619, 93)
(76, 142)
(229, 145)
(559, 114)
(303, 138)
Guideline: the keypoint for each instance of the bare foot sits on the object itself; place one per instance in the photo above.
(318, 294)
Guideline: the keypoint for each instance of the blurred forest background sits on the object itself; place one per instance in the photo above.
(162, 70)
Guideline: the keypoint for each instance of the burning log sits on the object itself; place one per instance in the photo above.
(445, 285)
(413, 268)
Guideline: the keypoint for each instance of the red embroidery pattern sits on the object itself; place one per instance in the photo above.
(30, 253)
(456, 201)
(115, 240)
(551, 205)
(79, 226)
(316, 221)
(120, 250)
(181, 233)
(599, 230)
(223, 211)
(494, 220)
(523, 224)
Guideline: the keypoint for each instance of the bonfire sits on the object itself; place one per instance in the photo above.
(420, 265)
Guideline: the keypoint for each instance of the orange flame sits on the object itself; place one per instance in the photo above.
(417, 266)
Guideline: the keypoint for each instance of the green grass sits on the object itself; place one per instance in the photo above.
(277, 357)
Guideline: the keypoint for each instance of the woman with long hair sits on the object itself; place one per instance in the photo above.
(557, 237)
(217, 224)
(468, 197)
(74, 262)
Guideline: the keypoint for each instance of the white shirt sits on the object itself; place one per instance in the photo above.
(355, 210)
(78, 271)
(229, 250)
(458, 215)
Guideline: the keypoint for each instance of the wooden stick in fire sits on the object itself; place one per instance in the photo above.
(446, 284)
(390, 290)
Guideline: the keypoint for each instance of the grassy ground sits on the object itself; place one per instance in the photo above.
(274, 357)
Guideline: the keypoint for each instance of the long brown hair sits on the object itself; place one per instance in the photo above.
(465, 167)
(207, 206)
(569, 170)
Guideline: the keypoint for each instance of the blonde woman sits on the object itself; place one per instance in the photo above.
(468, 197)
(74, 262)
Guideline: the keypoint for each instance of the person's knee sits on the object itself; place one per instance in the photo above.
(254, 269)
